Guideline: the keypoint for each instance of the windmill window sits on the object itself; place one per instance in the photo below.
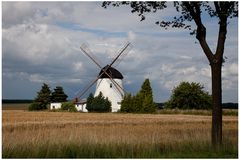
(110, 85)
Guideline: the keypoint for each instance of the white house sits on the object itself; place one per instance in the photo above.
(114, 92)
(81, 105)
(55, 106)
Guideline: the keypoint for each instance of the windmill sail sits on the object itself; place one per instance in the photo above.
(108, 76)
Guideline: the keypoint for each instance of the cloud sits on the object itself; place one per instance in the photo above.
(41, 43)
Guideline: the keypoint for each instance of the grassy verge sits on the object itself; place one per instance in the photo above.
(187, 150)
(226, 112)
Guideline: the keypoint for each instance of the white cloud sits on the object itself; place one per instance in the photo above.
(38, 78)
(41, 43)
(186, 57)
(131, 36)
(78, 66)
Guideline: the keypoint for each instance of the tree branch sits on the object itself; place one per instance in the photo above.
(217, 7)
(201, 30)
(222, 14)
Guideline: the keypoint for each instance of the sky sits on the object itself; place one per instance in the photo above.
(41, 44)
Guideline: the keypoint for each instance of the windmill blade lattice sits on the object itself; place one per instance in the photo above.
(119, 60)
(85, 49)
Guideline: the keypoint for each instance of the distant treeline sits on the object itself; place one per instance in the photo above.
(17, 101)
(224, 105)
(230, 105)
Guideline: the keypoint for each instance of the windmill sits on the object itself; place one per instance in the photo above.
(109, 79)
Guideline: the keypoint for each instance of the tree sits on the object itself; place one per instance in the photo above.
(107, 105)
(192, 11)
(189, 96)
(146, 88)
(42, 100)
(126, 104)
(58, 95)
(147, 104)
(98, 104)
(89, 102)
(141, 103)
(137, 103)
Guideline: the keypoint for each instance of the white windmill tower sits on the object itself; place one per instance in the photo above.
(106, 85)
(109, 79)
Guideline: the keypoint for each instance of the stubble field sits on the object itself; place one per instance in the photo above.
(112, 135)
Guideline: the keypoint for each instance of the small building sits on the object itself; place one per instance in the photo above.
(55, 106)
(81, 105)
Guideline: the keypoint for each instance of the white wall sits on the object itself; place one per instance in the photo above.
(112, 93)
(55, 105)
(81, 107)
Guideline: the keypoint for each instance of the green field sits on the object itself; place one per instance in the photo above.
(15, 106)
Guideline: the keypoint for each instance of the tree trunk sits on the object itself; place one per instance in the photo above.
(216, 68)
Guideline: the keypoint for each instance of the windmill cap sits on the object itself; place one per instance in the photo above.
(112, 72)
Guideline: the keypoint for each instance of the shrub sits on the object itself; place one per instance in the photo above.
(98, 104)
(36, 106)
(68, 106)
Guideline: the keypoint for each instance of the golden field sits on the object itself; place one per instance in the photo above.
(112, 135)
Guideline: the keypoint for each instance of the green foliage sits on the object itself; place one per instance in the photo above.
(185, 11)
(138, 102)
(189, 96)
(126, 103)
(118, 150)
(141, 103)
(42, 100)
(89, 102)
(36, 106)
(148, 105)
(58, 95)
(68, 106)
(45, 97)
(98, 104)
(146, 88)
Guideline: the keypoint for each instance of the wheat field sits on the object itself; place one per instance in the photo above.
(112, 135)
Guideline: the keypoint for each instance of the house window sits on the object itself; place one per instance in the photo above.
(110, 85)
(53, 107)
